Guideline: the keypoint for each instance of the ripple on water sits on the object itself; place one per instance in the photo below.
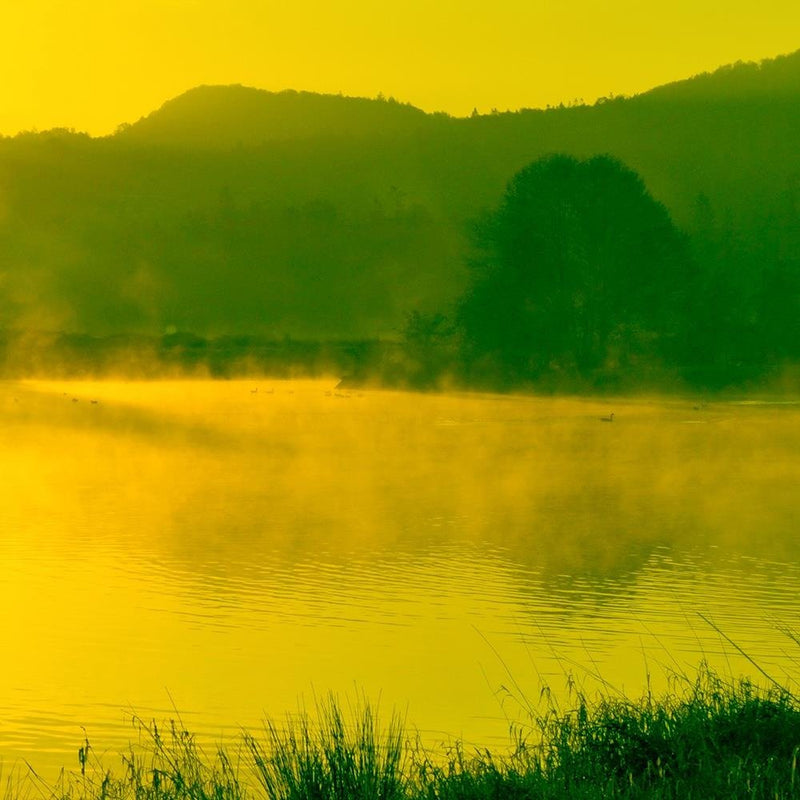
(236, 557)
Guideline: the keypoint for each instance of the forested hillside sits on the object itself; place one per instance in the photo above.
(238, 211)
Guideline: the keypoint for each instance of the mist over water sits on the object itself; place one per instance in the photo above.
(233, 548)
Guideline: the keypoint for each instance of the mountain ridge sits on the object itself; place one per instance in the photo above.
(194, 117)
(222, 115)
(217, 115)
(321, 232)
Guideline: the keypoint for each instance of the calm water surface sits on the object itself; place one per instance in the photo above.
(234, 549)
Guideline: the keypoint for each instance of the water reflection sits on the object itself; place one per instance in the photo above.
(234, 550)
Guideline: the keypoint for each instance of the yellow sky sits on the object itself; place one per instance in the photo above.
(93, 64)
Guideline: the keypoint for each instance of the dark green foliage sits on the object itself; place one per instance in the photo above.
(334, 760)
(716, 738)
(37, 354)
(581, 270)
(232, 211)
(429, 350)
(706, 739)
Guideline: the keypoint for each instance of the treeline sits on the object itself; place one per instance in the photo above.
(232, 210)
(582, 280)
(26, 354)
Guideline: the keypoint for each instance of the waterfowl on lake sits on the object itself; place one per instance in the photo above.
(609, 418)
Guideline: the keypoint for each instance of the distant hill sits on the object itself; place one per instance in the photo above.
(771, 79)
(225, 116)
(234, 210)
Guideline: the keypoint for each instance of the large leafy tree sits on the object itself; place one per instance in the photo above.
(578, 270)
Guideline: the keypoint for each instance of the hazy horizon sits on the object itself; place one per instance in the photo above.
(313, 389)
(380, 95)
(92, 67)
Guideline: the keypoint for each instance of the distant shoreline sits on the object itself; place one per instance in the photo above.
(377, 363)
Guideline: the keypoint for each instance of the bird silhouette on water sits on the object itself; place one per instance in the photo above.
(609, 418)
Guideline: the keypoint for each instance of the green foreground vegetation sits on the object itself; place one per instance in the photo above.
(708, 737)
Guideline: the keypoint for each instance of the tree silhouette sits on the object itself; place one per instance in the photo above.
(578, 270)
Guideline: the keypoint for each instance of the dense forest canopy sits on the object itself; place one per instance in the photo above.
(580, 270)
(236, 211)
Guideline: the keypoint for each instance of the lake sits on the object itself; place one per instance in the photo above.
(232, 550)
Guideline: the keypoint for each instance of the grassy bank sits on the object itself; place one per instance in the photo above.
(707, 738)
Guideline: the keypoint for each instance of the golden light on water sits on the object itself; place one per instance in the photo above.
(226, 550)
(236, 546)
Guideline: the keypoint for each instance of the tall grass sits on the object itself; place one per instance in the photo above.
(332, 759)
(707, 737)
